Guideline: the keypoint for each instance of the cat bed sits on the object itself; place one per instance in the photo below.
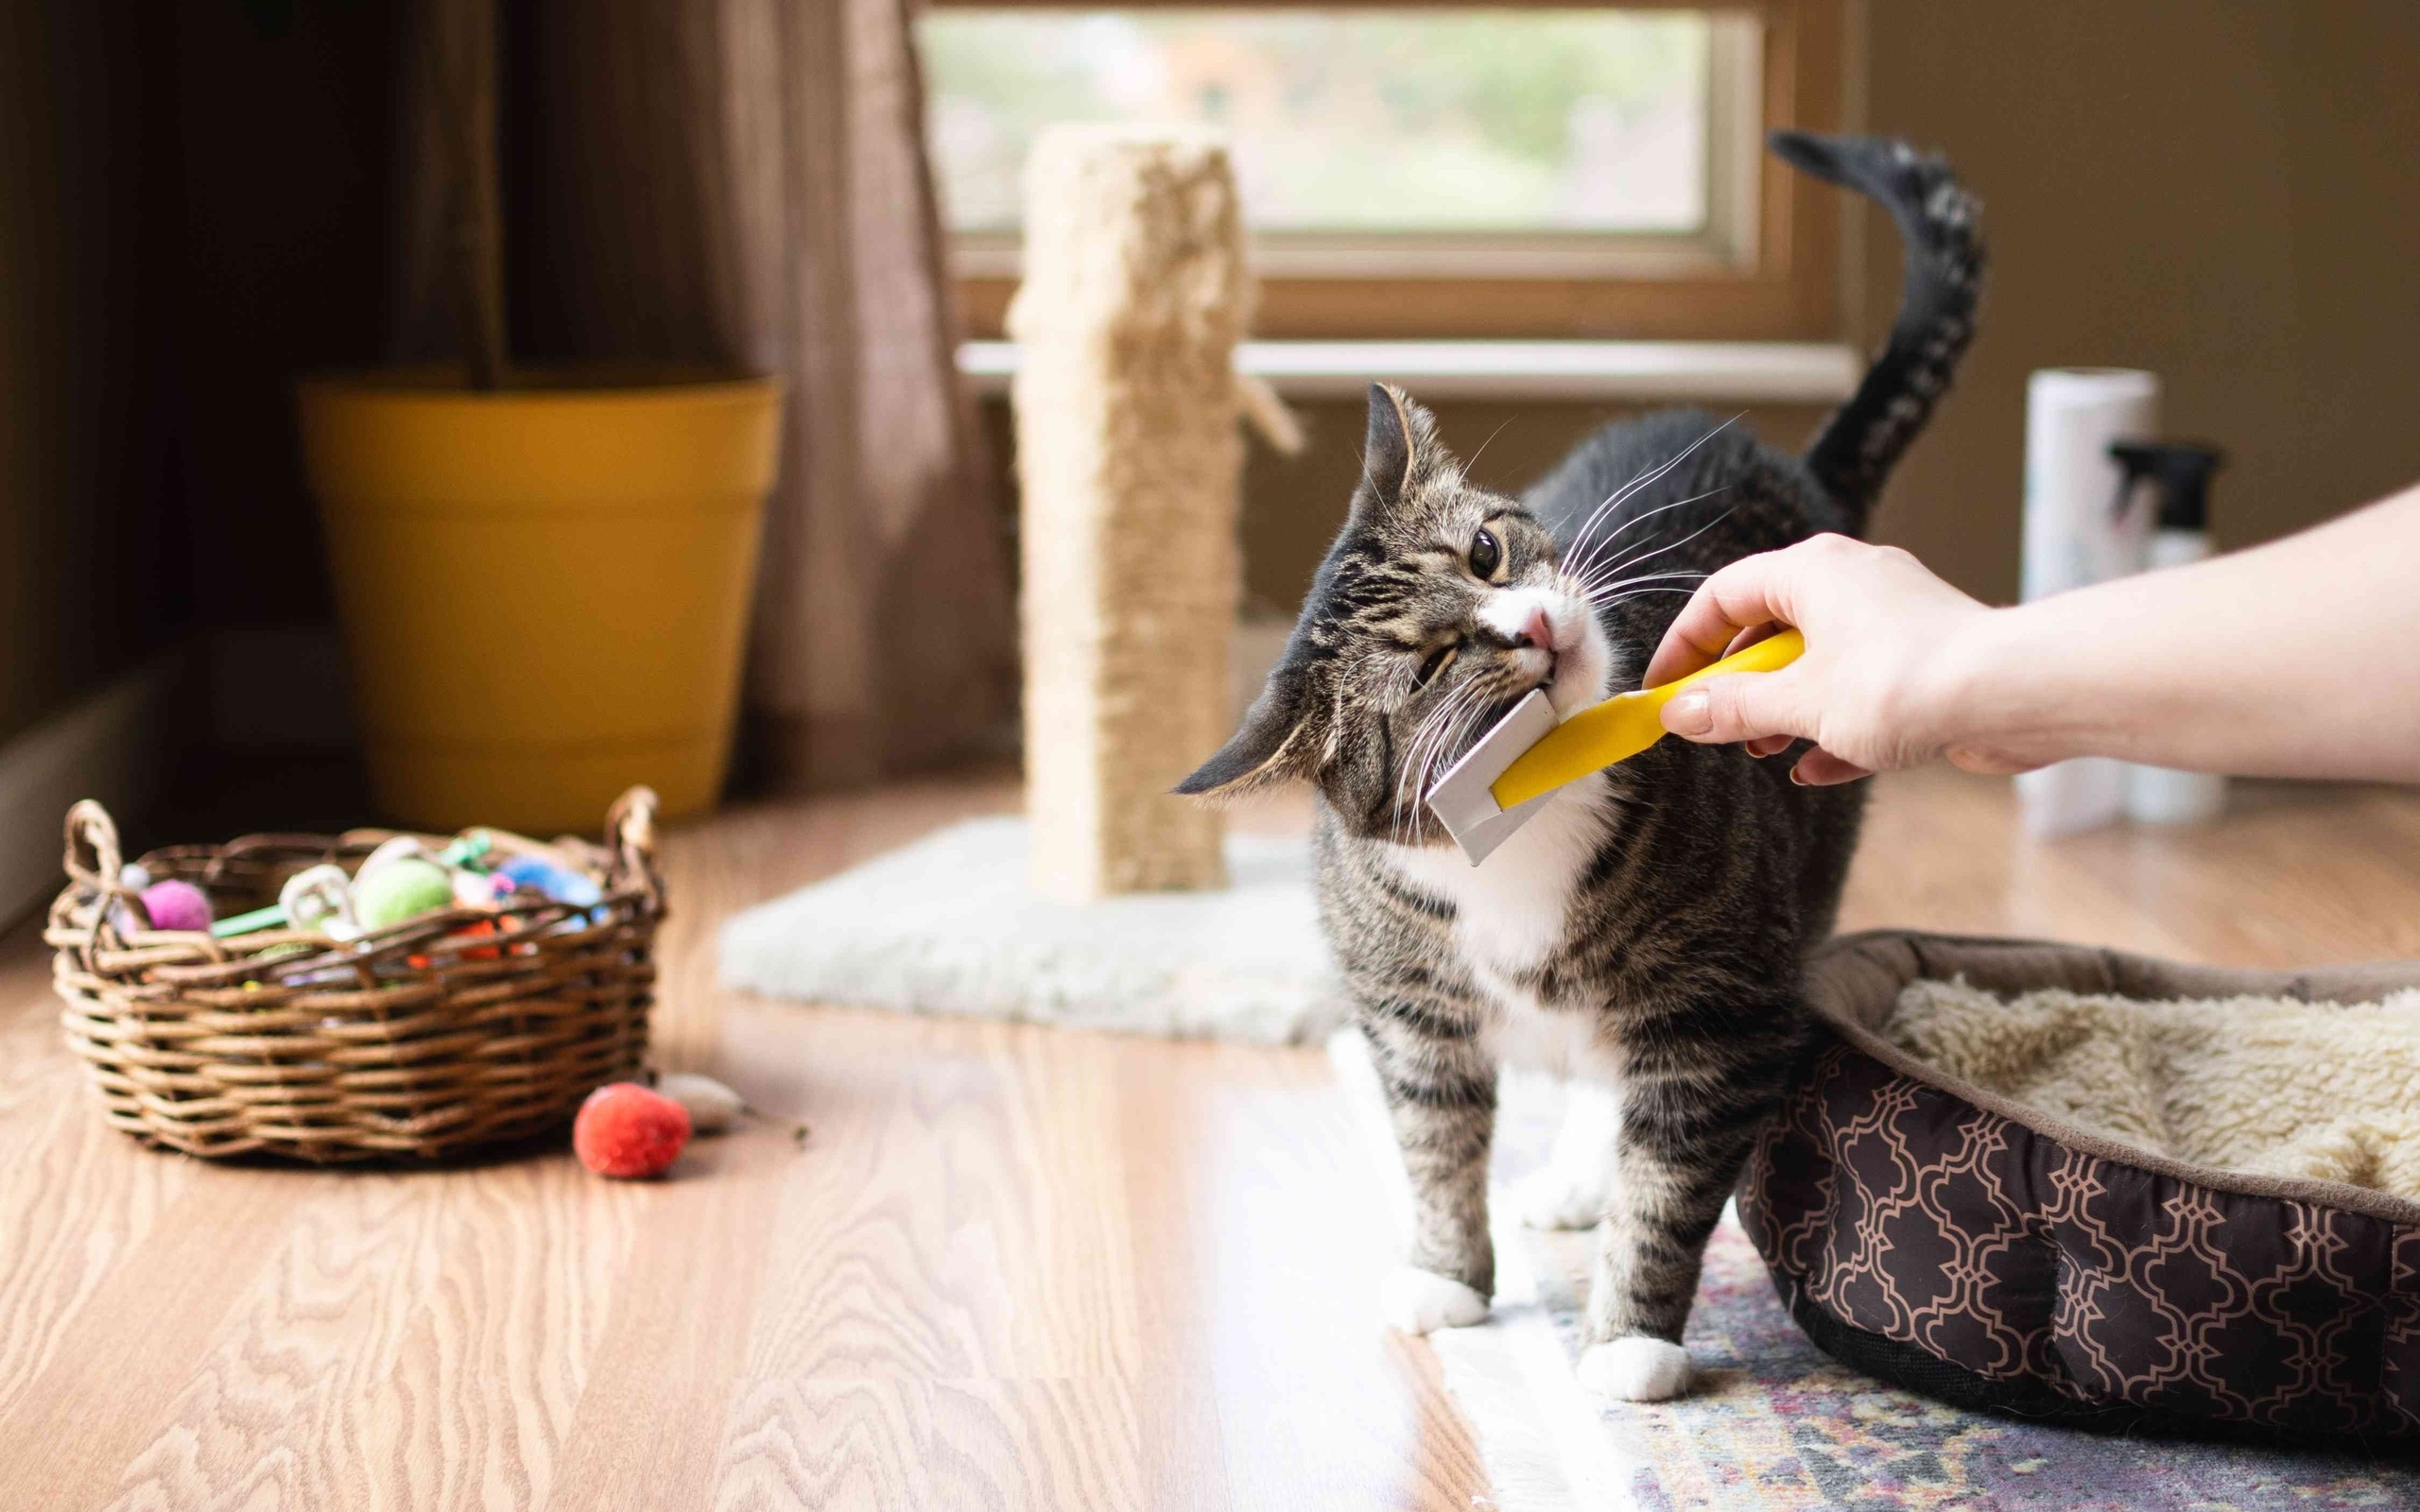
(2082, 1186)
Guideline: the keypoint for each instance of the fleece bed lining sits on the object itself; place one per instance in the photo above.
(1853, 984)
(2265, 1086)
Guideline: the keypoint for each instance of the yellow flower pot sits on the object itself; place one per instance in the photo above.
(544, 590)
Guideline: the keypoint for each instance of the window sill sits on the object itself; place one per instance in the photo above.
(1772, 372)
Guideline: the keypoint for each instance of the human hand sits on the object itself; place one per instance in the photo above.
(1878, 686)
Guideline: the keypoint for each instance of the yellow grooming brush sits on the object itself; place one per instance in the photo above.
(1505, 778)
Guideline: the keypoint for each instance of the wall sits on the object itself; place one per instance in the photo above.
(2226, 194)
(88, 581)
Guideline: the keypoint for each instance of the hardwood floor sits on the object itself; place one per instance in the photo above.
(1010, 1267)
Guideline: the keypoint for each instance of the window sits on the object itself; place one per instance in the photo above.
(1442, 171)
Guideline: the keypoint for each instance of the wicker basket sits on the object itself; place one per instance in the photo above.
(429, 1037)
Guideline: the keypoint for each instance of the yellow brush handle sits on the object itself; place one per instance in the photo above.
(1623, 725)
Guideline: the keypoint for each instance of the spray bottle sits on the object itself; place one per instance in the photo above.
(2179, 476)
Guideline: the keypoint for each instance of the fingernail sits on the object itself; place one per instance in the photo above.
(1691, 713)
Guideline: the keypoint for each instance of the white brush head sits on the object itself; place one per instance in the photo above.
(1461, 801)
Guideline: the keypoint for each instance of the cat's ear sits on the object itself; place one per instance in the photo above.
(1276, 743)
(1398, 447)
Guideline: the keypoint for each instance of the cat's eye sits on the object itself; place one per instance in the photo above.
(1486, 555)
(1436, 663)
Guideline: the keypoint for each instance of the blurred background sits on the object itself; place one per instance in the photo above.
(201, 202)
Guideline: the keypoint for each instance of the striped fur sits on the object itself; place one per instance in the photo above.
(1644, 929)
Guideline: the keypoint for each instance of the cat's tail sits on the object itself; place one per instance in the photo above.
(1938, 223)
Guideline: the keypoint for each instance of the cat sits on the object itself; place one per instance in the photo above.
(1642, 934)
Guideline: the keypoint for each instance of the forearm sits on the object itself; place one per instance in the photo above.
(2298, 659)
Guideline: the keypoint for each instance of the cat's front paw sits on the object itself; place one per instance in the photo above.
(1637, 1369)
(1419, 1301)
(1553, 1197)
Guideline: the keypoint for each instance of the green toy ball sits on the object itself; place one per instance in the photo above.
(402, 889)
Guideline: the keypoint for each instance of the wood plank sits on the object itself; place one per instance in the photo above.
(500, 1342)
(851, 1446)
(958, 1218)
(649, 1423)
(133, 1347)
(263, 1415)
(76, 1200)
(1037, 1445)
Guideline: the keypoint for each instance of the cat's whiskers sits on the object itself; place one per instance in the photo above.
(1596, 592)
(1595, 562)
(1430, 727)
(1428, 771)
(1463, 728)
(1422, 759)
(1579, 539)
(1641, 593)
(1598, 515)
(1634, 557)
(1588, 557)
(1473, 460)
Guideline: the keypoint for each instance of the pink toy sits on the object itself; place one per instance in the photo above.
(174, 904)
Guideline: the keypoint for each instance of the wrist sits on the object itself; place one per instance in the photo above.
(1974, 680)
(2015, 701)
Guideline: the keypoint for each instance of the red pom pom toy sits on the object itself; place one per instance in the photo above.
(624, 1129)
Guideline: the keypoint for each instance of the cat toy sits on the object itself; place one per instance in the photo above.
(1504, 780)
(630, 1132)
(630, 1129)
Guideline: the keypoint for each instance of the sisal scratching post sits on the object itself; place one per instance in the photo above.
(1129, 459)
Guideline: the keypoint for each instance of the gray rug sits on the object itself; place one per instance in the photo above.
(948, 925)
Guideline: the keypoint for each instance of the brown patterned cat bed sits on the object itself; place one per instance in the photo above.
(1962, 1241)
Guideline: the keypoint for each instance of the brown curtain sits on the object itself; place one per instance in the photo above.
(744, 182)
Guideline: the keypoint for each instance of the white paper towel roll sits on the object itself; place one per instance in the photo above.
(2077, 534)
(2074, 532)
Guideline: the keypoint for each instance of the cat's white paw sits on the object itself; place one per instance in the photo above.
(1553, 1197)
(1417, 1301)
(1635, 1369)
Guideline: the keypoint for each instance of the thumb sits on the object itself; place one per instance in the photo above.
(1742, 706)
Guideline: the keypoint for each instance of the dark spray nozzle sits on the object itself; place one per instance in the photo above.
(2180, 471)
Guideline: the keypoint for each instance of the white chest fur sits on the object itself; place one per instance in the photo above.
(1511, 913)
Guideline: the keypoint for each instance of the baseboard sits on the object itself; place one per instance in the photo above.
(110, 747)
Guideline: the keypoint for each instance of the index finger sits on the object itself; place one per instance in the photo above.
(1747, 594)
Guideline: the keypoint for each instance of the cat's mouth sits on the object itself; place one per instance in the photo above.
(1547, 675)
(1573, 678)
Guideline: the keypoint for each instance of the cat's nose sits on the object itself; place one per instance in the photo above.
(1536, 630)
(1516, 624)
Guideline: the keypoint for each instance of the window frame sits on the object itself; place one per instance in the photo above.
(1766, 270)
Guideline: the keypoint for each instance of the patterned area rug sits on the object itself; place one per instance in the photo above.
(1775, 1425)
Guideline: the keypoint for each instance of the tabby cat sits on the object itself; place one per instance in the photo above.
(1642, 934)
